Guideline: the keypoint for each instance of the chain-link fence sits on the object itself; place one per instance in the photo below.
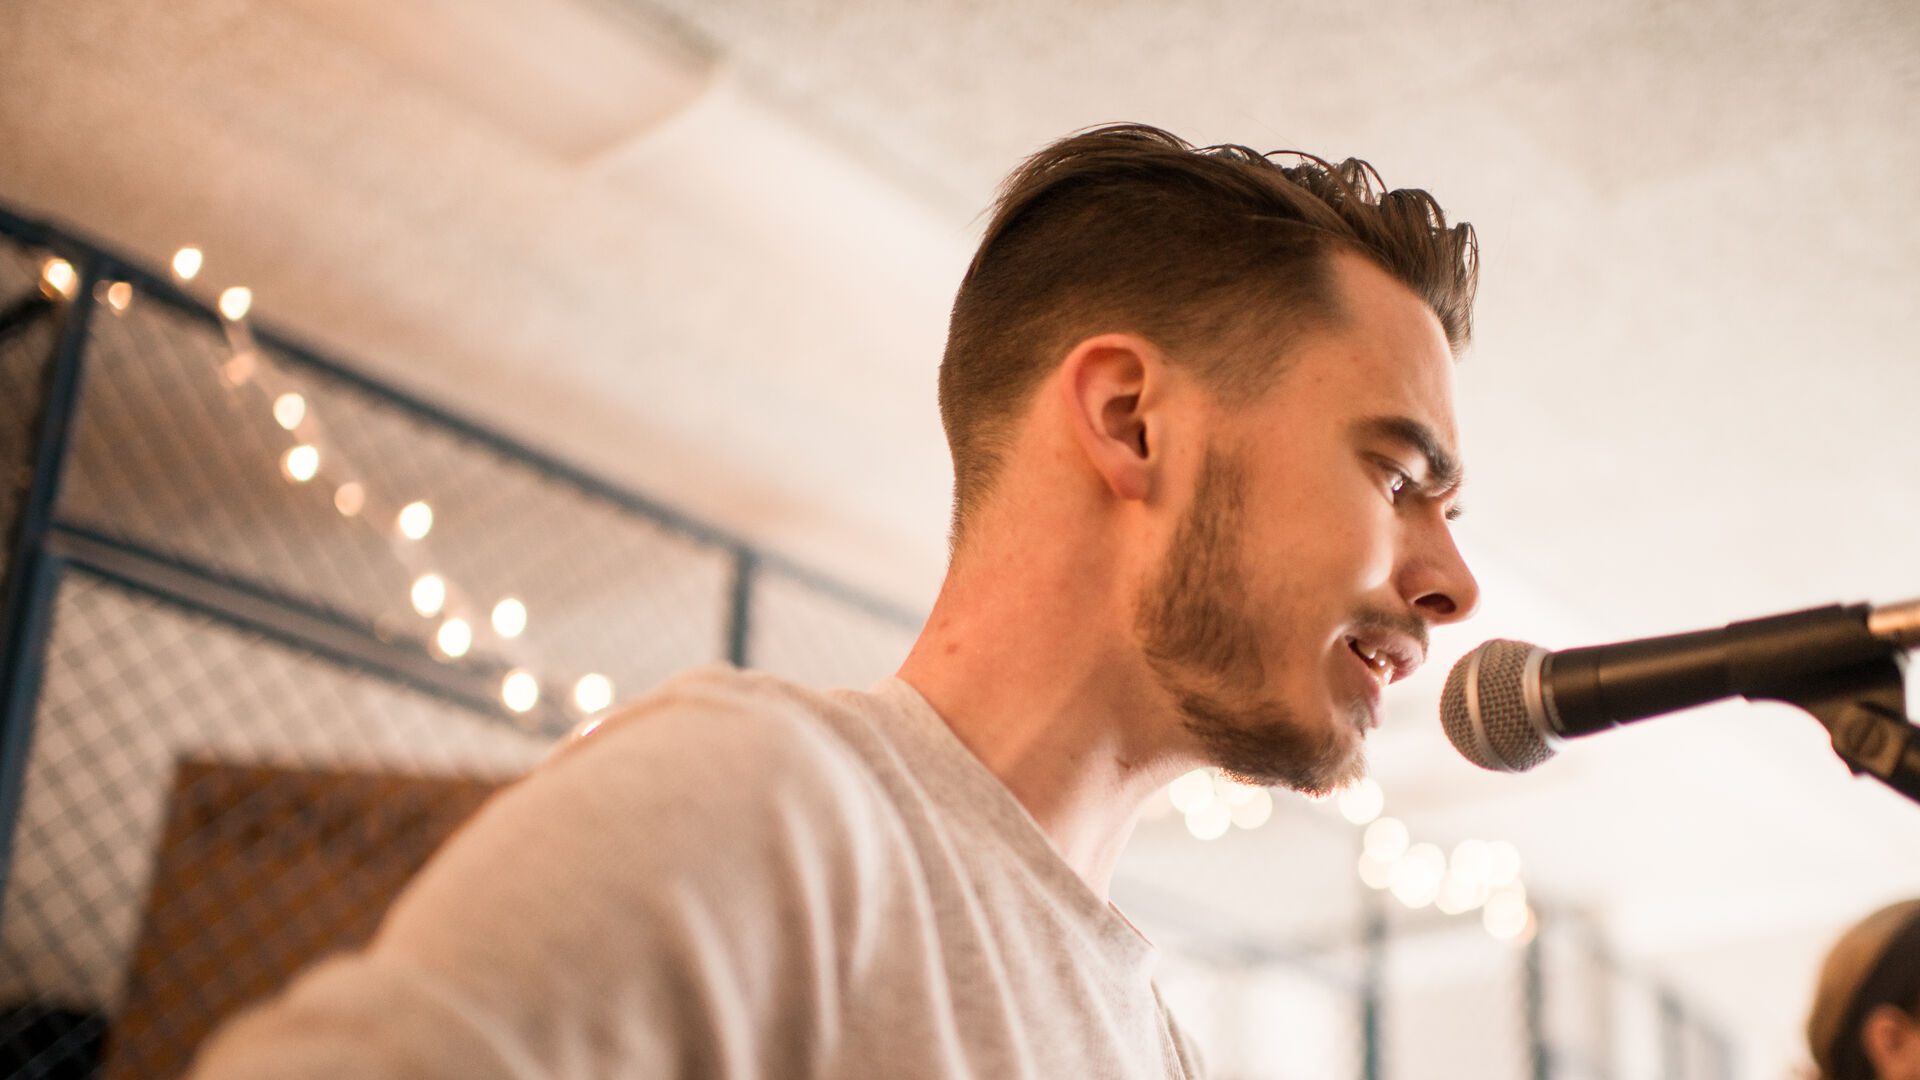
(231, 730)
(232, 723)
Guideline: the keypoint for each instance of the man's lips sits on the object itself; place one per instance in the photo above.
(1390, 657)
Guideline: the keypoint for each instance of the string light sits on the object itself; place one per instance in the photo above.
(1192, 791)
(350, 499)
(416, 520)
(593, 692)
(429, 595)
(235, 302)
(1211, 821)
(1416, 876)
(1254, 811)
(302, 463)
(120, 295)
(59, 278)
(1472, 861)
(1375, 873)
(520, 691)
(239, 368)
(455, 637)
(1506, 915)
(1479, 874)
(1503, 864)
(289, 409)
(1459, 895)
(509, 618)
(1212, 803)
(1362, 802)
(1385, 840)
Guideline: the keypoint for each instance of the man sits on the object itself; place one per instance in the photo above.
(1200, 407)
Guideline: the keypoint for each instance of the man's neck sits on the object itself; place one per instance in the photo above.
(1031, 679)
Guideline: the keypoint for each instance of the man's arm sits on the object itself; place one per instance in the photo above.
(671, 897)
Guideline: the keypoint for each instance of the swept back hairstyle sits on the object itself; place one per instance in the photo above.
(1220, 255)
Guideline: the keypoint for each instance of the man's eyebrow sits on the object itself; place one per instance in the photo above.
(1444, 472)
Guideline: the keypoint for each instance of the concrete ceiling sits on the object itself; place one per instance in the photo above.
(716, 268)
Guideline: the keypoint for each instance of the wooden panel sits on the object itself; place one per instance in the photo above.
(261, 872)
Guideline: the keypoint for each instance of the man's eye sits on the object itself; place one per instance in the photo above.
(1398, 482)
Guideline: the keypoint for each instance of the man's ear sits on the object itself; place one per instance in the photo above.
(1890, 1036)
(1112, 386)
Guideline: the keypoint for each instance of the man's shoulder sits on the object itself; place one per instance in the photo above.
(719, 722)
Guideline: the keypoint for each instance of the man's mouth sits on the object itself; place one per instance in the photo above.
(1381, 667)
(1389, 657)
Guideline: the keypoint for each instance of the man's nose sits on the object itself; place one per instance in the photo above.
(1442, 588)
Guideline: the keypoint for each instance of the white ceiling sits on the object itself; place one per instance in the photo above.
(720, 274)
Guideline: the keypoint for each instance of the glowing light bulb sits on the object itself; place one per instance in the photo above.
(1362, 802)
(520, 691)
(187, 262)
(289, 409)
(119, 295)
(1417, 875)
(416, 520)
(1471, 862)
(1503, 864)
(1192, 791)
(239, 368)
(1506, 914)
(1375, 873)
(59, 277)
(429, 595)
(509, 618)
(1458, 895)
(302, 463)
(350, 499)
(236, 302)
(1386, 839)
(1255, 811)
(1211, 821)
(593, 693)
(455, 637)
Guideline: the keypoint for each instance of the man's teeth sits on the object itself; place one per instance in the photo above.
(1379, 663)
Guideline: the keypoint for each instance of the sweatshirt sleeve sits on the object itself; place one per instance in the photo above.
(675, 896)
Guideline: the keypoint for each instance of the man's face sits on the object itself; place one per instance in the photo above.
(1314, 551)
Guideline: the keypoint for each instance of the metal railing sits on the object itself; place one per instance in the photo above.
(172, 601)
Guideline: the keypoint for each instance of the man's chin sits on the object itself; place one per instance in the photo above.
(1336, 761)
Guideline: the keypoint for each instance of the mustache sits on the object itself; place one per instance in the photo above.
(1376, 619)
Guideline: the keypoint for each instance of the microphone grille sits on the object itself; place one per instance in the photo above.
(1485, 712)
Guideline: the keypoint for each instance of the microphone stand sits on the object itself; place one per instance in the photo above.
(1864, 710)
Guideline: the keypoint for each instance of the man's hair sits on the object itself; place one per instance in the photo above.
(1219, 255)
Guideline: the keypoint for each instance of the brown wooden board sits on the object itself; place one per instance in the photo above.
(262, 871)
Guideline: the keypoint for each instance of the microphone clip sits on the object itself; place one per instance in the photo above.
(1863, 708)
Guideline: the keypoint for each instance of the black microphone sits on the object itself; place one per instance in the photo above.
(1508, 705)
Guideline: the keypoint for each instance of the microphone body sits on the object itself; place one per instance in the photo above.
(1508, 705)
(1602, 686)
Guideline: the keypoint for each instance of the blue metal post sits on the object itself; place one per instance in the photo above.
(746, 567)
(1673, 1029)
(1372, 978)
(1539, 1054)
(32, 578)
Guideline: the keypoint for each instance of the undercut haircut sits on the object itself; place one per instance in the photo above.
(1220, 255)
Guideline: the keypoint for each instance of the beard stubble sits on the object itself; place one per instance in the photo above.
(1206, 648)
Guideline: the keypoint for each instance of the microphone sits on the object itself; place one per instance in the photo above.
(1508, 706)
